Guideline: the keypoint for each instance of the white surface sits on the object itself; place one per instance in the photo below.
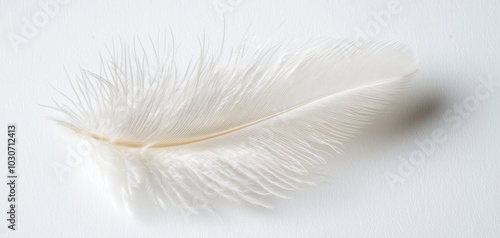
(454, 192)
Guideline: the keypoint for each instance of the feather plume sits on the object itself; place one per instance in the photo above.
(242, 126)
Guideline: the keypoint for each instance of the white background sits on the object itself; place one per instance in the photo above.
(453, 192)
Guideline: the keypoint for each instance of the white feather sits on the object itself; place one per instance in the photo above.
(254, 125)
